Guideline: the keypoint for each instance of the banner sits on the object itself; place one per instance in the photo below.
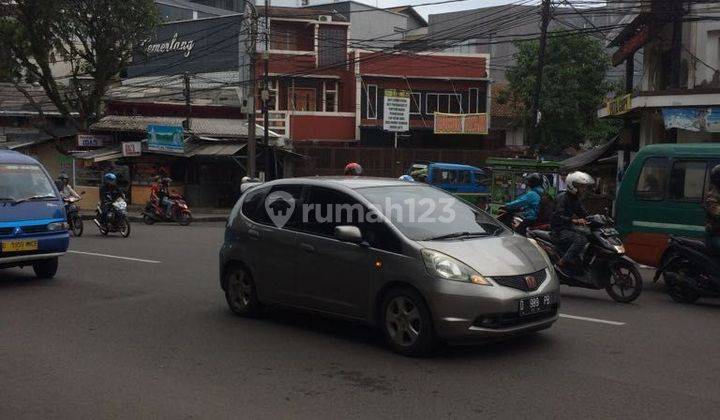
(132, 148)
(396, 113)
(165, 138)
(93, 140)
(461, 123)
(699, 119)
(619, 105)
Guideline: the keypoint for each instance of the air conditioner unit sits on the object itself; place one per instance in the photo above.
(325, 18)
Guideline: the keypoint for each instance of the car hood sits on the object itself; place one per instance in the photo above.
(31, 210)
(493, 256)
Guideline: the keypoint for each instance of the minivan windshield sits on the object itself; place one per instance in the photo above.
(20, 183)
(424, 213)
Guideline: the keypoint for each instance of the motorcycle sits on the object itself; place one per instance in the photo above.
(73, 215)
(512, 219)
(688, 271)
(116, 219)
(605, 264)
(154, 211)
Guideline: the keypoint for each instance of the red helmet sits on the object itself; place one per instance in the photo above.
(353, 168)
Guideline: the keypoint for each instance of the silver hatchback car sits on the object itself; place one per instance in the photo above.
(409, 258)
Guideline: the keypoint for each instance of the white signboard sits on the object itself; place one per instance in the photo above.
(132, 148)
(93, 140)
(396, 116)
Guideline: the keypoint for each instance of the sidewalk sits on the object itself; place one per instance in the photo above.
(200, 214)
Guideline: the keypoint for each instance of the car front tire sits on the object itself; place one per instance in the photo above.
(406, 323)
(45, 269)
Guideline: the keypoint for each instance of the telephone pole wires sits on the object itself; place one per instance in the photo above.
(536, 114)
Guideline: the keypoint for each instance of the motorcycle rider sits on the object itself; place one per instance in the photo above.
(353, 169)
(528, 203)
(163, 195)
(712, 213)
(109, 192)
(66, 191)
(569, 212)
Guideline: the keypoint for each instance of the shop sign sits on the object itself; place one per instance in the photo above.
(619, 105)
(698, 119)
(461, 123)
(132, 148)
(93, 140)
(165, 138)
(396, 116)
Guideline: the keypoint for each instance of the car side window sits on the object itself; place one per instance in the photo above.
(687, 180)
(252, 201)
(281, 207)
(652, 180)
(464, 177)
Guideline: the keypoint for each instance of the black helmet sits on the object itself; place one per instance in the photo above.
(534, 180)
(63, 177)
(715, 176)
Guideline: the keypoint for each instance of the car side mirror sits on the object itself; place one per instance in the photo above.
(350, 234)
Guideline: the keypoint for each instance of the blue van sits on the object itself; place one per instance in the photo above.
(465, 181)
(33, 227)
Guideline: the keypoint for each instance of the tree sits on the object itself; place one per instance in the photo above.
(93, 38)
(574, 87)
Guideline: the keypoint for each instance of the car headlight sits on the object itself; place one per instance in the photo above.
(444, 266)
(544, 254)
(56, 226)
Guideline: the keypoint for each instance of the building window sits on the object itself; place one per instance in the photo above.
(652, 179)
(330, 99)
(332, 45)
(431, 103)
(473, 100)
(371, 94)
(415, 106)
(443, 102)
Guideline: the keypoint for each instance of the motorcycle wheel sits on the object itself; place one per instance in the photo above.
(625, 283)
(185, 219)
(678, 292)
(124, 227)
(76, 224)
(147, 219)
(103, 230)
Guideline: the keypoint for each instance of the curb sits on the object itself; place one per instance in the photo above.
(198, 219)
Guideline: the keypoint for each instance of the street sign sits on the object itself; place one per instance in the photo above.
(165, 138)
(93, 140)
(396, 116)
(461, 123)
(132, 148)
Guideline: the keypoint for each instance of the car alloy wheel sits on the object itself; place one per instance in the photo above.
(240, 294)
(402, 321)
(406, 323)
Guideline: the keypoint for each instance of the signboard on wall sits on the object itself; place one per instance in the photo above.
(461, 123)
(619, 105)
(699, 119)
(132, 148)
(165, 138)
(93, 140)
(396, 116)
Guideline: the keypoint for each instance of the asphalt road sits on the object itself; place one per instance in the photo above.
(121, 338)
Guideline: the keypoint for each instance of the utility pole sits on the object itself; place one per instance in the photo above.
(266, 92)
(545, 13)
(250, 17)
(188, 106)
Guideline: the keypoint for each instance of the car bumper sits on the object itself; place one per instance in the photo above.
(49, 246)
(463, 311)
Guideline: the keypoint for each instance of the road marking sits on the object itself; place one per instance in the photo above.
(599, 321)
(116, 257)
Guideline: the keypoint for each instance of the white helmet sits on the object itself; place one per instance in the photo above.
(577, 181)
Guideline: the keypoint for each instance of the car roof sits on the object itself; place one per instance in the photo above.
(455, 166)
(352, 182)
(701, 149)
(11, 156)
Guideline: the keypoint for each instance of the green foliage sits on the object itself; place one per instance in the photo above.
(573, 88)
(91, 39)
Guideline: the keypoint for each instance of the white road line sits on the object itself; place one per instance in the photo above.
(599, 321)
(116, 257)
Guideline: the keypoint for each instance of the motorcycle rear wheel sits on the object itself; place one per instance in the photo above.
(625, 283)
(148, 220)
(77, 225)
(678, 292)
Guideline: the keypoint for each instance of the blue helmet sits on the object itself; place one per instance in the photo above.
(407, 178)
(110, 177)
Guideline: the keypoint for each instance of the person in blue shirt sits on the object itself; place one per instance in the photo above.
(528, 203)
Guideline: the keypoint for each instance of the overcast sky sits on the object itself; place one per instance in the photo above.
(440, 8)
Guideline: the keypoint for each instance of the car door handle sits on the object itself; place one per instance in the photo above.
(254, 234)
(307, 248)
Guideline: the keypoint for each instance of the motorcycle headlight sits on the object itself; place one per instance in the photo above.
(544, 254)
(446, 267)
(619, 248)
(57, 226)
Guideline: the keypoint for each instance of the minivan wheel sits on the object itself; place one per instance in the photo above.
(406, 323)
(240, 292)
(45, 269)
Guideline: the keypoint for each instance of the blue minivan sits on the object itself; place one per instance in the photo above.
(33, 227)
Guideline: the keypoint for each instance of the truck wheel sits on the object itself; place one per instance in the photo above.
(45, 269)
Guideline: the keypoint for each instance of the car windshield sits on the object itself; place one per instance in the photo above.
(20, 183)
(423, 213)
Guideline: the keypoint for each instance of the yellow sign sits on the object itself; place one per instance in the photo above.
(396, 93)
(461, 123)
(619, 105)
(18, 246)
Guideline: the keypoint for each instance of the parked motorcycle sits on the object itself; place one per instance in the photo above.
(688, 271)
(605, 265)
(73, 215)
(154, 211)
(116, 219)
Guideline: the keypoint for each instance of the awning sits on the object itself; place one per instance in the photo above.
(203, 127)
(589, 156)
(99, 155)
(225, 149)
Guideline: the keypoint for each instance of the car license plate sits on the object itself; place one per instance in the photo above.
(19, 246)
(535, 304)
